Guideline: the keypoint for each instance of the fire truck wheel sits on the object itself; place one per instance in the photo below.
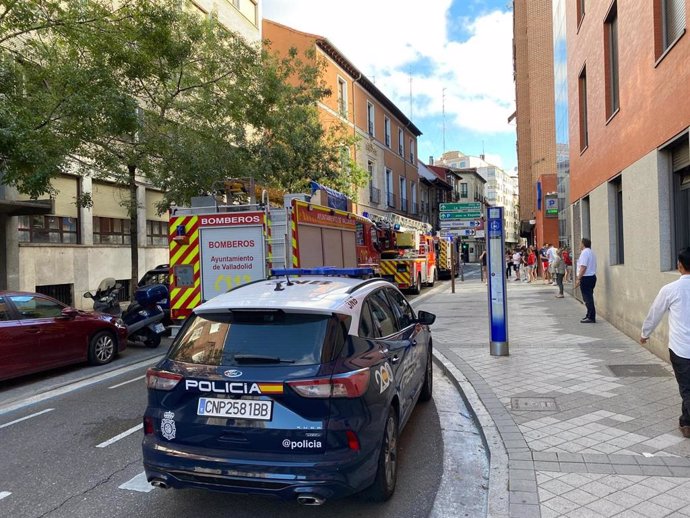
(417, 288)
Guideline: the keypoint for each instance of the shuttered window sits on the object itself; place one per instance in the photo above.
(680, 166)
(673, 12)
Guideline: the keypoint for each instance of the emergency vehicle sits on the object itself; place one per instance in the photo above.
(411, 262)
(444, 255)
(216, 248)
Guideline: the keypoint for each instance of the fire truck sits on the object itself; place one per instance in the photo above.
(446, 266)
(410, 260)
(214, 248)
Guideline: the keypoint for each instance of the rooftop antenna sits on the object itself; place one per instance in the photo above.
(443, 109)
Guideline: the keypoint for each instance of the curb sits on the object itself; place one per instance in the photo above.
(498, 501)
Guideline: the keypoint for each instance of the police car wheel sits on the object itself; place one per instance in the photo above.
(101, 348)
(387, 473)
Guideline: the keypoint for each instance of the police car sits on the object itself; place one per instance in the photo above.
(295, 386)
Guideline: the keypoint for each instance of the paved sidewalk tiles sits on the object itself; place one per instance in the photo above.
(588, 417)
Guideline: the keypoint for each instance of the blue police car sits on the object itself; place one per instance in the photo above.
(295, 387)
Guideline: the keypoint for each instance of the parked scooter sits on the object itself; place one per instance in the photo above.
(143, 317)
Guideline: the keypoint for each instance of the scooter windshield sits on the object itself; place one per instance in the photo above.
(106, 284)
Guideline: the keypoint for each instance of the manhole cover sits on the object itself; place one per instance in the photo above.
(534, 404)
(639, 371)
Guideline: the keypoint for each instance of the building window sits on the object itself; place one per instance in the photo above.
(680, 166)
(580, 11)
(401, 143)
(370, 118)
(669, 23)
(616, 219)
(387, 130)
(342, 97)
(412, 151)
(611, 61)
(48, 229)
(463, 190)
(390, 197)
(111, 231)
(413, 193)
(582, 92)
(157, 233)
(403, 194)
(62, 292)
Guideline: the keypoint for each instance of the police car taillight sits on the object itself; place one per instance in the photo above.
(162, 380)
(350, 385)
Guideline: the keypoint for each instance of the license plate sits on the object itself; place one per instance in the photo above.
(159, 328)
(236, 408)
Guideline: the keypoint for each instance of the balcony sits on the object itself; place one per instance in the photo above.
(403, 204)
(374, 194)
(425, 207)
(414, 208)
(391, 200)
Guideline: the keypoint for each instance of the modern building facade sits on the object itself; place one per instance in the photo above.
(387, 146)
(533, 59)
(57, 248)
(628, 82)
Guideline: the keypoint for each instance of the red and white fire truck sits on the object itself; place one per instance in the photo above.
(218, 247)
(410, 262)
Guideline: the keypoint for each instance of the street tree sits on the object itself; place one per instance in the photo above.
(155, 92)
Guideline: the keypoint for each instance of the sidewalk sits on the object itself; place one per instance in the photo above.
(585, 420)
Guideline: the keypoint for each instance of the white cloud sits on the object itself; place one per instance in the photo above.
(384, 38)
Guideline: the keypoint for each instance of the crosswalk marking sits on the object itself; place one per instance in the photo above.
(4, 494)
(120, 436)
(138, 483)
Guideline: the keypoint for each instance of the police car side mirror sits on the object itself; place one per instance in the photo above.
(426, 318)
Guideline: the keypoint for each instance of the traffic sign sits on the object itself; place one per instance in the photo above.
(464, 232)
(454, 207)
(460, 215)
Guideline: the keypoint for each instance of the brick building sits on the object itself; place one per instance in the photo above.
(628, 84)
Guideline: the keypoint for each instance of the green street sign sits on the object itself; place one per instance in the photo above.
(455, 207)
(446, 216)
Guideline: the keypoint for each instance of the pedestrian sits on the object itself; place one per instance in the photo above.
(558, 267)
(587, 279)
(509, 264)
(552, 257)
(517, 262)
(532, 265)
(675, 298)
(482, 260)
(544, 259)
(568, 265)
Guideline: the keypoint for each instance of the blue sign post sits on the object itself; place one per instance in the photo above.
(498, 314)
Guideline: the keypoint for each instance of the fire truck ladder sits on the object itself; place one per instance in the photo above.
(277, 238)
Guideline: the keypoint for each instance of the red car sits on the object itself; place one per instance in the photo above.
(38, 333)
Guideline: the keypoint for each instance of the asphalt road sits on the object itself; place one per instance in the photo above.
(71, 438)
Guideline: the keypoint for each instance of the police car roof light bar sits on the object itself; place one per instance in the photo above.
(324, 270)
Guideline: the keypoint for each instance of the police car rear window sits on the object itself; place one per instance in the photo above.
(252, 338)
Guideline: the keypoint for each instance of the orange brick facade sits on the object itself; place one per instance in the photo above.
(654, 92)
(534, 89)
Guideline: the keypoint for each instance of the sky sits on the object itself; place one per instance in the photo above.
(428, 57)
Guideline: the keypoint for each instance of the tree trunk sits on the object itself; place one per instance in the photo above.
(133, 229)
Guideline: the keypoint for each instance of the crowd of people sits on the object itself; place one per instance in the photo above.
(553, 264)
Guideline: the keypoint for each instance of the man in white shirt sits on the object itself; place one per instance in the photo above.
(587, 279)
(675, 298)
(552, 252)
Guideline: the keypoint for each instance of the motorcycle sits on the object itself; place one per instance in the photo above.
(143, 317)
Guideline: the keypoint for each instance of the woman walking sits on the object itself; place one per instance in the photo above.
(558, 266)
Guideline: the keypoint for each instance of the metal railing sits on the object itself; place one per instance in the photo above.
(374, 194)
(403, 204)
(414, 208)
(390, 199)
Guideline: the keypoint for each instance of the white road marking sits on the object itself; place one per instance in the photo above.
(138, 483)
(128, 381)
(4, 494)
(78, 385)
(25, 418)
(120, 436)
